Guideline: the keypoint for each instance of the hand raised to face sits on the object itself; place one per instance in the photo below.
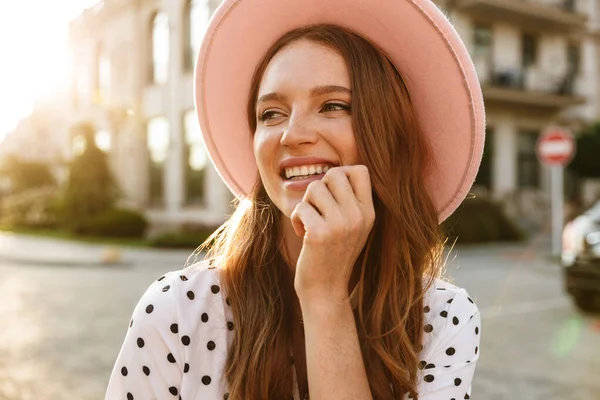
(334, 219)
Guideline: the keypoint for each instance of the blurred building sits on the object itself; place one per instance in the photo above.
(133, 60)
(537, 61)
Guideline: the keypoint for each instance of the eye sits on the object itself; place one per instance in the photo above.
(332, 107)
(268, 115)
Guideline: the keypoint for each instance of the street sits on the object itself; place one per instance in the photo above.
(62, 327)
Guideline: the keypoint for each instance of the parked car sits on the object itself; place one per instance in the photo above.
(581, 259)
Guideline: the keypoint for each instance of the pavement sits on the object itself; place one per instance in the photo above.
(65, 312)
(36, 250)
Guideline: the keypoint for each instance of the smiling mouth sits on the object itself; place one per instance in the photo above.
(305, 171)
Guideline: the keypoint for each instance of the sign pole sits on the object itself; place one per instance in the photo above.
(558, 218)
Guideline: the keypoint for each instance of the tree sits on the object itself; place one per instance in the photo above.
(24, 175)
(91, 189)
(586, 163)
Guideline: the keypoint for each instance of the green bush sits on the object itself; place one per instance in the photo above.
(32, 208)
(24, 175)
(190, 237)
(91, 189)
(481, 220)
(116, 223)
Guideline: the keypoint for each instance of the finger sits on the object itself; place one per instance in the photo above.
(319, 196)
(336, 180)
(360, 180)
(305, 219)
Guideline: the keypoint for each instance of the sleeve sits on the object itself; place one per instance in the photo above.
(451, 347)
(149, 363)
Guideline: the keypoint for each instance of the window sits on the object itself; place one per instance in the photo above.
(103, 77)
(482, 42)
(160, 48)
(103, 140)
(158, 146)
(196, 159)
(529, 50)
(528, 167)
(573, 58)
(197, 15)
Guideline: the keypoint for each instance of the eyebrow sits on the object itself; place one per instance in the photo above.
(316, 91)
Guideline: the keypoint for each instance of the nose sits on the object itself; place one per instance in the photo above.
(299, 131)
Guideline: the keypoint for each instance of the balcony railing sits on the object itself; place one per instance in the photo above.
(552, 15)
(530, 86)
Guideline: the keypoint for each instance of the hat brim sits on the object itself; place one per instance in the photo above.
(414, 34)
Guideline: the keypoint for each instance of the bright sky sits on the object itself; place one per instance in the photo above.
(33, 53)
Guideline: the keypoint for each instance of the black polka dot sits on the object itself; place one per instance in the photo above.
(450, 351)
(186, 368)
(146, 370)
(429, 366)
(210, 345)
(185, 340)
(129, 396)
(206, 380)
(429, 378)
(467, 397)
(166, 288)
(204, 317)
(455, 321)
(211, 261)
(476, 348)
(428, 328)
(183, 278)
(174, 328)
(131, 323)
(190, 295)
(444, 313)
(226, 396)
(173, 390)
(422, 364)
(450, 301)
(457, 382)
(470, 299)
(477, 330)
(440, 288)
(149, 309)
(227, 301)
(426, 309)
(140, 342)
(171, 358)
(124, 371)
(215, 289)
(447, 366)
(453, 398)
(161, 278)
(230, 325)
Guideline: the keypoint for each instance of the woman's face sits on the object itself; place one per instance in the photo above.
(304, 125)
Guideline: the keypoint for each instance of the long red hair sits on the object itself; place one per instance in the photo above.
(399, 263)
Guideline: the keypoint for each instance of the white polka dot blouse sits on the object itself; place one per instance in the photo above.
(177, 342)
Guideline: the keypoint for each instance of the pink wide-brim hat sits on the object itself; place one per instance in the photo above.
(414, 34)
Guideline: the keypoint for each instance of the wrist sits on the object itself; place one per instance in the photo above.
(331, 308)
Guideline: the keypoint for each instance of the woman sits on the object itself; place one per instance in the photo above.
(325, 283)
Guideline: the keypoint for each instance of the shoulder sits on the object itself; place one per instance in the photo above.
(451, 315)
(176, 295)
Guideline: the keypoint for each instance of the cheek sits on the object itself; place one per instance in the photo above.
(264, 150)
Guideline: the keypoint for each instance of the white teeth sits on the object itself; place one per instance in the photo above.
(305, 170)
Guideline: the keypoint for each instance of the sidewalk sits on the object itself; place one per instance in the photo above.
(34, 250)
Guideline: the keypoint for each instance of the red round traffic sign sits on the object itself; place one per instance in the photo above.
(556, 146)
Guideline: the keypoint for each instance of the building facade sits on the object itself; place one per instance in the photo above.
(133, 59)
